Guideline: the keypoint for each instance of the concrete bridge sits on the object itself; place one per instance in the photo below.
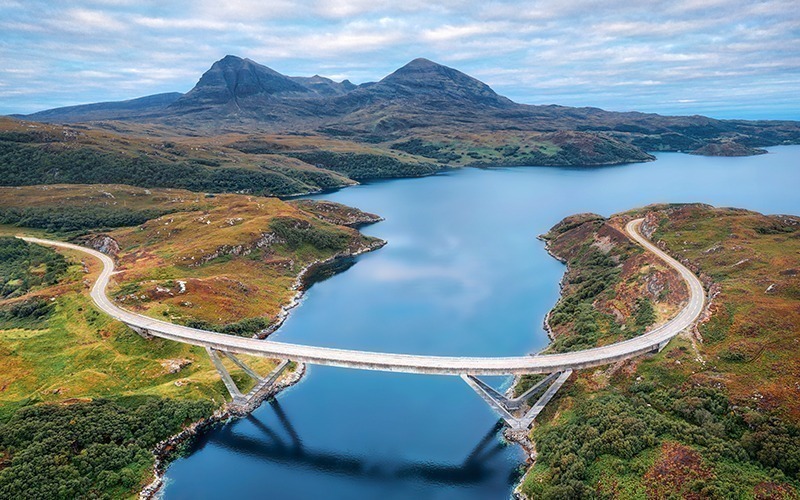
(559, 365)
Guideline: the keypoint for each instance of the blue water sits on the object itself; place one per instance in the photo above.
(463, 274)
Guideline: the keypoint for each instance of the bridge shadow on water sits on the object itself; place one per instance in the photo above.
(281, 443)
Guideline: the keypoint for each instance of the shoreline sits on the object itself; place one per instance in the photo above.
(300, 287)
(523, 438)
(165, 451)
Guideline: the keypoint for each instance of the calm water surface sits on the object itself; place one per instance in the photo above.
(463, 274)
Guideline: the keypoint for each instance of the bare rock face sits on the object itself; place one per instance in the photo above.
(102, 243)
(650, 224)
(657, 283)
(174, 365)
(233, 78)
(264, 242)
(424, 79)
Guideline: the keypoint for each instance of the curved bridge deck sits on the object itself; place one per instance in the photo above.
(438, 365)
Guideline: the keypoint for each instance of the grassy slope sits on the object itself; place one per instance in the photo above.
(273, 163)
(78, 354)
(514, 148)
(225, 249)
(610, 284)
(713, 415)
(149, 156)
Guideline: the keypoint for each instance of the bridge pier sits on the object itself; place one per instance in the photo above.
(141, 331)
(263, 384)
(507, 407)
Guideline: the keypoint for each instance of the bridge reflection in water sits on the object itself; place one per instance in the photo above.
(280, 443)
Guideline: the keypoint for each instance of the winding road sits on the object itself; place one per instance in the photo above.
(409, 363)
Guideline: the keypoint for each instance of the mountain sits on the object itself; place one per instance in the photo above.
(234, 84)
(115, 110)
(420, 98)
(324, 86)
(432, 83)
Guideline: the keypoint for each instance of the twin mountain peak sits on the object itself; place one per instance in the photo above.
(233, 78)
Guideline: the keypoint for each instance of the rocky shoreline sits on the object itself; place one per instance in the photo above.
(164, 451)
(300, 287)
(522, 438)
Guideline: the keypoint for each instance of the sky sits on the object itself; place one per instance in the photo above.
(722, 58)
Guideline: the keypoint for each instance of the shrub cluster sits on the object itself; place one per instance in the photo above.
(24, 266)
(625, 425)
(99, 449)
(243, 328)
(298, 232)
(598, 273)
(68, 218)
(25, 314)
(364, 166)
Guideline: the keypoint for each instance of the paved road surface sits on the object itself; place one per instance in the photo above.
(439, 365)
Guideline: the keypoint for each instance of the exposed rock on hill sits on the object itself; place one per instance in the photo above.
(233, 79)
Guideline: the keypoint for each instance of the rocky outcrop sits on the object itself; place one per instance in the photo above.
(102, 243)
(336, 213)
(650, 224)
(165, 450)
(174, 365)
(263, 242)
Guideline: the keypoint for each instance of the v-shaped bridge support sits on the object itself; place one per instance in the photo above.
(507, 407)
(263, 384)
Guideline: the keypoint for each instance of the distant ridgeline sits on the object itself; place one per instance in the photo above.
(280, 135)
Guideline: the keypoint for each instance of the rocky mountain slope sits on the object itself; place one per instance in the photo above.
(119, 110)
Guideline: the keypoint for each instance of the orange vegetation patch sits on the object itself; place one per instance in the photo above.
(775, 491)
(12, 368)
(674, 472)
(753, 333)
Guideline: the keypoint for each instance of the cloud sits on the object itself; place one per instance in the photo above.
(655, 55)
(89, 20)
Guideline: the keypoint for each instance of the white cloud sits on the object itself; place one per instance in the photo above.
(88, 20)
(613, 53)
